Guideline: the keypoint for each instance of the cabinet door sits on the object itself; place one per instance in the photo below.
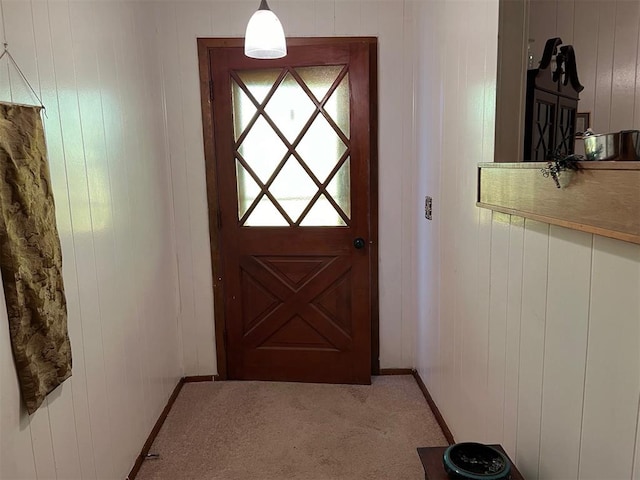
(543, 126)
(565, 126)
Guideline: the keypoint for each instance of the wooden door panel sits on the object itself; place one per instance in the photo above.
(335, 303)
(295, 271)
(322, 288)
(292, 192)
(327, 367)
(297, 334)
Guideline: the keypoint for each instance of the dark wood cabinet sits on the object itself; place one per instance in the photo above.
(551, 104)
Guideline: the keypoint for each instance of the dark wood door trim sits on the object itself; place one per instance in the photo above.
(373, 192)
(205, 45)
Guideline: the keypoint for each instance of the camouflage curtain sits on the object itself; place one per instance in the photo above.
(30, 257)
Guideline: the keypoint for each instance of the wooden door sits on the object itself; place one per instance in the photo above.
(291, 185)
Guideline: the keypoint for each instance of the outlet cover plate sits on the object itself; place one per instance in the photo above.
(428, 207)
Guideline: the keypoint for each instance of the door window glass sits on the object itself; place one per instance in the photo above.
(291, 129)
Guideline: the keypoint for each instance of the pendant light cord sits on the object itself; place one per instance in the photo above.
(15, 64)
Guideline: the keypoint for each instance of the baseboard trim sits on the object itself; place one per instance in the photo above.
(163, 416)
(396, 371)
(210, 378)
(200, 378)
(154, 432)
(434, 408)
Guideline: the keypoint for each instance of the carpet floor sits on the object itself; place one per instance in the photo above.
(278, 431)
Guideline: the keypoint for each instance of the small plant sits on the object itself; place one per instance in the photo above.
(561, 163)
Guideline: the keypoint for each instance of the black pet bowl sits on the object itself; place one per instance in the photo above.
(475, 461)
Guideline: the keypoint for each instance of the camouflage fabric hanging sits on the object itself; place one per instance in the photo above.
(31, 257)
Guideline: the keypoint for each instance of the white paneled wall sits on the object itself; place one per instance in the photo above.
(95, 66)
(179, 24)
(606, 37)
(526, 334)
(531, 337)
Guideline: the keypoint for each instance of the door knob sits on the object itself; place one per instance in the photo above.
(358, 243)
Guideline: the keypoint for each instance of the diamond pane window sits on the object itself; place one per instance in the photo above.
(262, 149)
(322, 145)
(290, 107)
(243, 110)
(336, 106)
(319, 79)
(340, 188)
(266, 215)
(322, 214)
(259, 82)
(321, 148)
(295, 195)
(248, 189)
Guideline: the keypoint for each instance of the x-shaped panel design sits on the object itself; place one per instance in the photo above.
(566, 130)
(543, 128)
(296, 302)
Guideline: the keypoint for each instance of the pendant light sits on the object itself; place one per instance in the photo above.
(264, 37)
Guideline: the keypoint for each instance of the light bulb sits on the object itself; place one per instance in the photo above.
(264, 37)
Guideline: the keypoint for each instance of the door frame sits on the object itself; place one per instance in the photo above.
(206, 94)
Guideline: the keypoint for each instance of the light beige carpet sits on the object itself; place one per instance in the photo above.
(274, 431)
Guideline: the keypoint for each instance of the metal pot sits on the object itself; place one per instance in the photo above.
(624, 145)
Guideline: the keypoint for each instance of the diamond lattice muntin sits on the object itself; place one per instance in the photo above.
(292, 146)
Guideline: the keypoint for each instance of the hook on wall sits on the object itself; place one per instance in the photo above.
(24, 78)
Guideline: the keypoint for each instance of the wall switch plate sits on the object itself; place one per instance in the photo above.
(428, 207)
